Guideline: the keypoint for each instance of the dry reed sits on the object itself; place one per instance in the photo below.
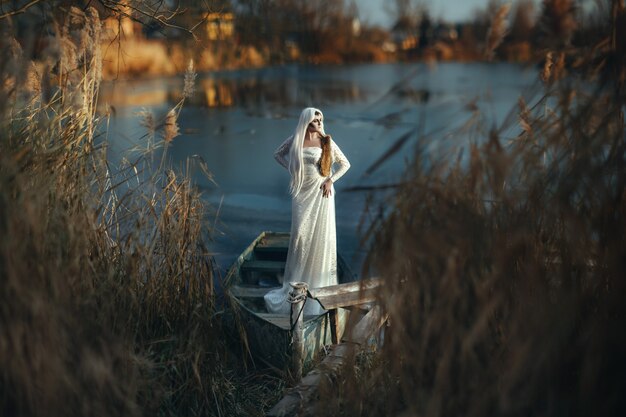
(106, 280)
(558, 22)
(497, 30)
(504, 272)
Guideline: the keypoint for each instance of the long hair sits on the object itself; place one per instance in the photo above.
(325, 161)
(295, 153)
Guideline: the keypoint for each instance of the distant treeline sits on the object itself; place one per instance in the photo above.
(147, 39)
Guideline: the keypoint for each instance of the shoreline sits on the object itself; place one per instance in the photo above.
(151, 59)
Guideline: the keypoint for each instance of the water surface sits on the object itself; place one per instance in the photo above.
(236, 119)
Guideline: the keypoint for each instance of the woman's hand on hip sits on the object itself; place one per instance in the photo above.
(327, 188)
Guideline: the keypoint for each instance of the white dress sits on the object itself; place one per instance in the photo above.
(312, 254)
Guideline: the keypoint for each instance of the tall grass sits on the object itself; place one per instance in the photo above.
(106, 281)
(504, 271)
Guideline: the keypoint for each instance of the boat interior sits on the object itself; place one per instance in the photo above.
(260, 269)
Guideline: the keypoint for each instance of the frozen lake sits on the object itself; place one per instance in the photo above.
(236, 120)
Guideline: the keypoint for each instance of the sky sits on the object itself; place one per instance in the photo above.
(373, 11)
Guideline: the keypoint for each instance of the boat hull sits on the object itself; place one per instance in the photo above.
(269, 336)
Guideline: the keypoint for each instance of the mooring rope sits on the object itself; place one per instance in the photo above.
(294, 297)
(293, 322)
(309, 295)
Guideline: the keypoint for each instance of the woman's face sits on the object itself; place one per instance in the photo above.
(316, 124)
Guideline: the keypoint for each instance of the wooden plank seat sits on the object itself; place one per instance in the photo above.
(271, 250)
(273, 245)
(263, 266)
(281, 240)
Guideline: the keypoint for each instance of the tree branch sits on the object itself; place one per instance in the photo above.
(20, 10)
(155, 14)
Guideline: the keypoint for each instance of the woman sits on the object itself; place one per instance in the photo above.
(312, 255)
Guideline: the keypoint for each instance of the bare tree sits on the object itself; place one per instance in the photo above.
(156, 12)
(406, 10)
(523, 21)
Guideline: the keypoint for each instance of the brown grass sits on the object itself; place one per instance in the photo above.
(497, 30)
(504, 271)
(136, 58)
(106, 281)
(558, 22)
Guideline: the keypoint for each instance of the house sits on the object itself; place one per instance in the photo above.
(219, 26)
(404, 34)
(122, 24)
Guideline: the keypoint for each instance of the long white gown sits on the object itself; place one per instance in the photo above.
(312, 254)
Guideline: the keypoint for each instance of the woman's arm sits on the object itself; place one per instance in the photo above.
(340, 159)
(282, 151)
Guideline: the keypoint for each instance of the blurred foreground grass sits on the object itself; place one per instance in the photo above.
(107, 298)
(505, 270)
(505, 289)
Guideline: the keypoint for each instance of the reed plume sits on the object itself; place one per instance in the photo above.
(147, 120)
(497, 30)
(170, 129)
(503, 271)
(190, 80)
(546, 73)
(106, 277)
(558, 22)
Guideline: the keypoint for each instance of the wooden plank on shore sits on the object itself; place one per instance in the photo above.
(299, 400)
(305, 392)
(367, 326)
(345, 295)
(360, 308)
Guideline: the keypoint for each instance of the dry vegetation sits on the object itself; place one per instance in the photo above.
(106, 283)
(506, 289)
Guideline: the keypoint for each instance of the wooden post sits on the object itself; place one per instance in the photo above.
(300, 400)
(297, 297)
(334, 325)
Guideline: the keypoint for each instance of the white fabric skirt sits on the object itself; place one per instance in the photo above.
(312, 254)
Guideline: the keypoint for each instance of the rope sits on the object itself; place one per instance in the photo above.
(291, 320)
(309, 295)
(292, 300)
(296, 298)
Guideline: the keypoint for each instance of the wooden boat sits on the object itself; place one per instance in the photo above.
(270, 336)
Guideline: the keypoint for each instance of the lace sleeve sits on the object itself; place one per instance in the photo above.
(281, 153)
(340, 159)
